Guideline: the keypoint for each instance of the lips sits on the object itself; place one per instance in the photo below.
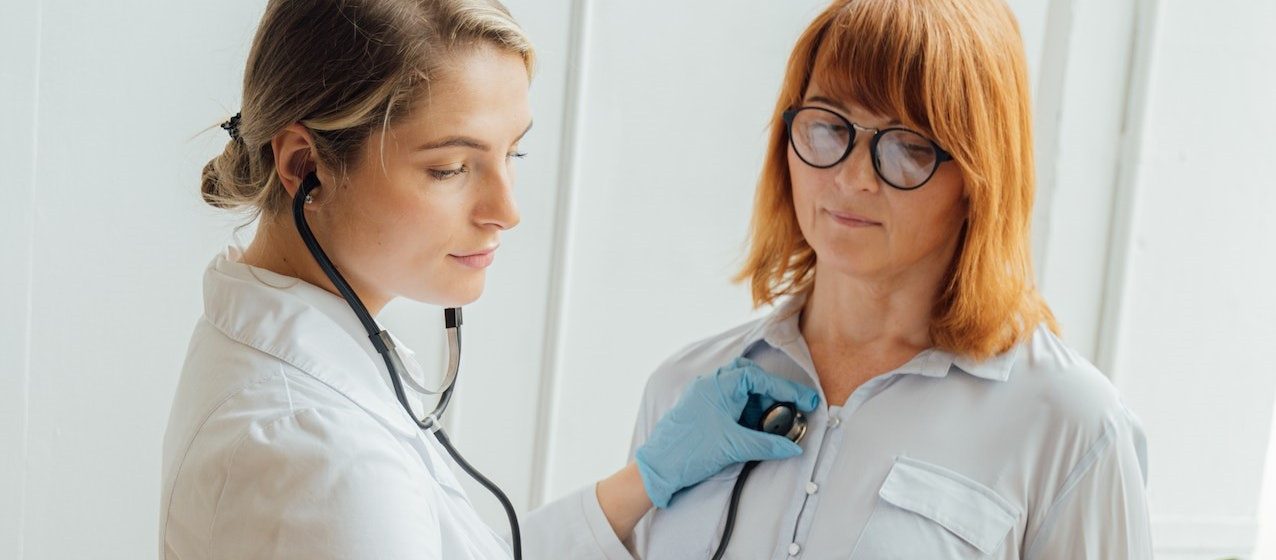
(852, 219)
(478, 259)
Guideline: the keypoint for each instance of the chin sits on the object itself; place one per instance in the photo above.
(455, 294)
(849, 262)
(461, 295)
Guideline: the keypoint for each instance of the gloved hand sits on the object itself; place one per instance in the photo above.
(701, 435)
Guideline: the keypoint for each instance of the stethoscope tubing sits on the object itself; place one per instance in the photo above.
(385, 346)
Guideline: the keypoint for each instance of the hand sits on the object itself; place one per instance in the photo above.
(701, 435)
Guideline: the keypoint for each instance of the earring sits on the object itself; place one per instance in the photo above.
(310, 199)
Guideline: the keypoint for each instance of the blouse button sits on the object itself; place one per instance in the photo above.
(794, 549)
(834, 422)
(812, 487)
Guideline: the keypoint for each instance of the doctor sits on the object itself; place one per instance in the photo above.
(285, 439)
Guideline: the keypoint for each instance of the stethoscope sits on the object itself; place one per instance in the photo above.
(385, 346)
(782, 419)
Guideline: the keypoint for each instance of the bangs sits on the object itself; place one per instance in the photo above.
(874, 53)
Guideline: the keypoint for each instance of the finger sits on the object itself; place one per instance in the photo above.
(782, 390)
(752, 445)
(753, 409)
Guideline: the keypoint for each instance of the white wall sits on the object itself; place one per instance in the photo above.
(1198, 316)
(635, 199)
(116, 237)
(19, 47)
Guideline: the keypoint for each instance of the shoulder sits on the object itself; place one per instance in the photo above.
(1066, 390)
(329, 437)
(226, 385)
(695, 359)
(236, 405)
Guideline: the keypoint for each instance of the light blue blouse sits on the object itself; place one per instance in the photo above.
(1030, 454)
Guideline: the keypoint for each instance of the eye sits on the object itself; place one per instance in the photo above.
(516, 155)
(918, 149)
(445, 174)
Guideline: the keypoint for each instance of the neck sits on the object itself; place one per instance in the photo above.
(887, 310)
(278, 247)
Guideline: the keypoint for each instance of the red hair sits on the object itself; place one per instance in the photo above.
(955, 71)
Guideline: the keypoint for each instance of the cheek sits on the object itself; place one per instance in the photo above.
(936, 216)
(430, 225)
(403, 227)
(804, 188)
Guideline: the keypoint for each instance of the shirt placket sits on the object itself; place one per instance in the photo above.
(821, 465)
(816, 466)
(817, 472)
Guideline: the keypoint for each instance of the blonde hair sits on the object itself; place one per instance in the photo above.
(342, 69)
(955, 70)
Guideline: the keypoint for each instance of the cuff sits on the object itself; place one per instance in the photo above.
(573, 526)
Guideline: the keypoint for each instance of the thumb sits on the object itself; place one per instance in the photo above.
(781, 390)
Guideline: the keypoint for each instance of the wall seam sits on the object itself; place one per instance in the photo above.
(560, 260)
(24, 446)
(1120, 225)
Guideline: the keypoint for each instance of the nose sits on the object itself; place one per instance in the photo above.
(497, 206)
(856, 171)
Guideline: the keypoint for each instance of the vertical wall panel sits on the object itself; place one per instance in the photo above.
(19, 67)
(1192, 354)
(121, 239)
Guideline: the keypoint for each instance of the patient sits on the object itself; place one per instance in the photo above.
(891, 230)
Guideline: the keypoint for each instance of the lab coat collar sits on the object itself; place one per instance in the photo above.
(305, 326)
(780, 330)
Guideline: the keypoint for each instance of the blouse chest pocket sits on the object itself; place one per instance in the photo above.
(927, 511)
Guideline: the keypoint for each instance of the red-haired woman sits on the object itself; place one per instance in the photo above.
(891, 227)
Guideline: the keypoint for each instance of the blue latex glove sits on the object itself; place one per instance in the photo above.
(701, 435)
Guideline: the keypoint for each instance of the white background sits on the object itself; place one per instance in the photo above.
(1153, 237)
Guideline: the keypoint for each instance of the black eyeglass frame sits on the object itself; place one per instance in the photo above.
(941, 155)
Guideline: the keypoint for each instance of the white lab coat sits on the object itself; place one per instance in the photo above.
(285, 441)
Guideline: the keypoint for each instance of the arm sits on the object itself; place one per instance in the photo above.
(624, 500)
(695, 439)
(1101, 510)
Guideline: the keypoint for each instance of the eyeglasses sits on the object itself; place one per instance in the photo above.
(902, 158)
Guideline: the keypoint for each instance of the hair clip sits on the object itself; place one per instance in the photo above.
(232, 126)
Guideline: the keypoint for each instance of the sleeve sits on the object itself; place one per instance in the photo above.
(575, 526)
(571, 527)
(322, 484)
(1101, 510)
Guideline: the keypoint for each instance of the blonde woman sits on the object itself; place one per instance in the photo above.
(891, 226)
(380, 134)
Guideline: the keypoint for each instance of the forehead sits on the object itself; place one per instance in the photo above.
(482, 89)
(851, 108)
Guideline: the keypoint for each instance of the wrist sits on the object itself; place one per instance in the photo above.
(624, 499)
(659, 490)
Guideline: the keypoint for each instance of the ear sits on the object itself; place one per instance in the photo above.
(295, 156)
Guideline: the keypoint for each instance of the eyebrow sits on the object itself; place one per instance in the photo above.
(839, 106)
(465, 142)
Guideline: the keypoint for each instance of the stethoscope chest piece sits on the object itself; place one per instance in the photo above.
(785, 420)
